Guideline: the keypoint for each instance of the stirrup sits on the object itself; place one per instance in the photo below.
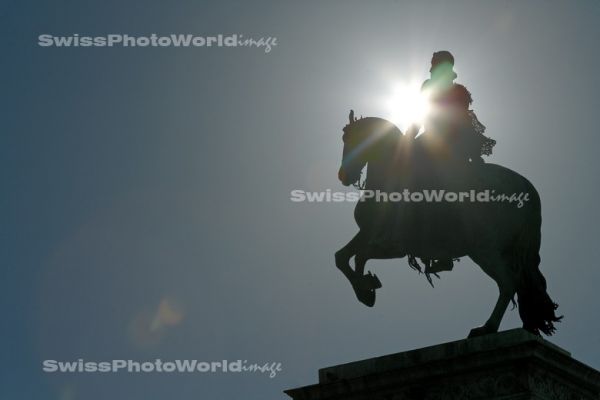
(439, 266)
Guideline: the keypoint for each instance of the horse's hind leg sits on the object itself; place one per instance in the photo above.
(498, 268)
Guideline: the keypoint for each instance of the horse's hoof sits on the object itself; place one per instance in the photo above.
(372, 281)
(367, 297)
(364, 288)
(480, 331)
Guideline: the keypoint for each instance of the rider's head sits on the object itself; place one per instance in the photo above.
(442, 64)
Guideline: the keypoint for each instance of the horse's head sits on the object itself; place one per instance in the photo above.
(362, 142)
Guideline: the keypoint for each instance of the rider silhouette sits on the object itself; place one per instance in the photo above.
(450, 122)
(454, 129)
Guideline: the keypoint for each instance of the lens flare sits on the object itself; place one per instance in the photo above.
(407, 105)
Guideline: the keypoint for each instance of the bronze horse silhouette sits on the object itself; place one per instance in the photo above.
(500, 236)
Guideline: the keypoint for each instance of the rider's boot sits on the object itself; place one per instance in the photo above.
(441, 265)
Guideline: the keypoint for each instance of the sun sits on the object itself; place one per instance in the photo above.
(407, 105)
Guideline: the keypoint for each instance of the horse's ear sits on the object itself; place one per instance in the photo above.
(351, 116)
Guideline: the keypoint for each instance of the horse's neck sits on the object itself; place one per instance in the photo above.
(381, 173)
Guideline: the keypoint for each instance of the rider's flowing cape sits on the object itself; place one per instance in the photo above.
(485, 143)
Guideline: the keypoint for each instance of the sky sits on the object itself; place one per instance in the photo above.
(146, 205)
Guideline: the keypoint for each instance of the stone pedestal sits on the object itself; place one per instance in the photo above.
(508, 365)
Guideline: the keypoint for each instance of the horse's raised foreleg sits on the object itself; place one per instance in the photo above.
(343, 256)
(363, 285)
(369, 280)
(499, 270)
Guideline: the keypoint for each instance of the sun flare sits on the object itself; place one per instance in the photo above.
(407, 105)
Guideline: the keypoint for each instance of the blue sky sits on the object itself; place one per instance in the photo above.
(147, 186)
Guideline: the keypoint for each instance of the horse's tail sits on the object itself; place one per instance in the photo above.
(536, 308)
